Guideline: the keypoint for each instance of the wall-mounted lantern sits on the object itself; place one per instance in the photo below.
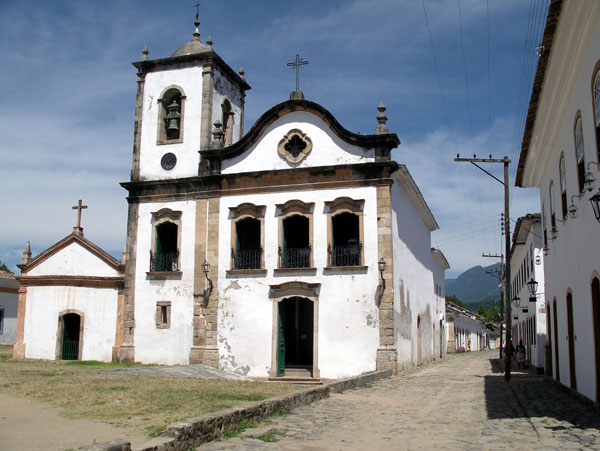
(381, 264)
(208, 291)
(532, 286)
(595, 200)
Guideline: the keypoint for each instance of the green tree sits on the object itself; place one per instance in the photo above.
(452, 298)
(4, 268)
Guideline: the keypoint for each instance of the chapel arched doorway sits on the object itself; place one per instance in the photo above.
(70, 346)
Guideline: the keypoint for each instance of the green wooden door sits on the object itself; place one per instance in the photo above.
(70, 344)
(280, 345)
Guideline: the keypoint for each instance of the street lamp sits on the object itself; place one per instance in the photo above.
(516, 301)
(381, 264)
(595, 200)
(532, 286)
(208, 291)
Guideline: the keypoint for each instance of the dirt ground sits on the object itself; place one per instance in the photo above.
(32, 425)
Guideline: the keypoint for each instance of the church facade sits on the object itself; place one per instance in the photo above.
(298, 250)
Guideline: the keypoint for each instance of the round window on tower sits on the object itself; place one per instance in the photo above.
(168, 161)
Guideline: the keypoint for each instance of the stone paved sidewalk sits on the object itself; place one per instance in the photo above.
(455, 403)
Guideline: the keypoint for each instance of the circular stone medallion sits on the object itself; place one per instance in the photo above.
(168, 161)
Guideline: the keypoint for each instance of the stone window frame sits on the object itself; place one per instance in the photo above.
(160, 217)
(345, 205)
(227, 119)
(162, 101)
(287, 290)
(562, 177)
(295, 207)
(163, 307)
(579, 156)
(60, 331)
(552, 204)
(596, 105)
(283, 153)
(243, 211)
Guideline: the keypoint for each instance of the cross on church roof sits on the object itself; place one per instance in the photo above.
(78, 229)
(296, 64)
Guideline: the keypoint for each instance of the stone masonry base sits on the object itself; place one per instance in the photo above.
(195, 431)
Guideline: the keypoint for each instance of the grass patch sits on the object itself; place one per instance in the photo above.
(234, 432)
(270, 437)
(148, 402)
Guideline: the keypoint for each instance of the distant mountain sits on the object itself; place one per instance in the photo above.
(475, 285)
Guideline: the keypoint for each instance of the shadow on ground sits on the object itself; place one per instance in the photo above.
(527, 395)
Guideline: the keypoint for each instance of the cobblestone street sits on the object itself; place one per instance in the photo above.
(458, 402)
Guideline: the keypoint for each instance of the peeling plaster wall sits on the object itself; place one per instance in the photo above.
(190, 80)
(167, 346)
(414, 292)
(327, 148)
(348, 320)
(44, 304)
(74, 260)
(224, 88)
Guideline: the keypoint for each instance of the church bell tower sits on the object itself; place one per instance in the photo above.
(187, 102)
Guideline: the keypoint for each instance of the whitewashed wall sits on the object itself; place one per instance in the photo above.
(572, 259)
(168, 346)
(190, 80)
(74, 260)
(9, 303)
(348, 318)
(327, 148)
(469, 329)
(44, 305)
(414, 291)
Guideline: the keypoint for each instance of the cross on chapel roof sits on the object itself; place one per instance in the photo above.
(78, 230)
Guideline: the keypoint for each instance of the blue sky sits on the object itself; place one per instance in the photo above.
(69, 94)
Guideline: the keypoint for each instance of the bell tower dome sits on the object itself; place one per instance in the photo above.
(179, 99)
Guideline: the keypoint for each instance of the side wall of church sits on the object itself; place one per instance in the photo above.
(414, 291)
(169, 345)
(156, 83)
(348, 334)
(44, 306)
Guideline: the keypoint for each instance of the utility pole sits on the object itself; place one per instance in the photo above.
(506, 162)
(502, 297)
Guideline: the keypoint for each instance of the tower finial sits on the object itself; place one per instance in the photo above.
(382, 119)
(26, 254)
(197, 23)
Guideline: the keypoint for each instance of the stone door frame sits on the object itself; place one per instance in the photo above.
(278, 293)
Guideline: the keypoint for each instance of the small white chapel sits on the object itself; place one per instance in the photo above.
(298, 249)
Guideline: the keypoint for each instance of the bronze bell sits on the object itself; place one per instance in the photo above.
(173, 126)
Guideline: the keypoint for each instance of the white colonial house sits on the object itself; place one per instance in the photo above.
(298, 249)
(465, 330)
(527, 270)
(559, 155)
(9, 288)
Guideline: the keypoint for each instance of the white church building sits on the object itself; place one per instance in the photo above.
(299, 249)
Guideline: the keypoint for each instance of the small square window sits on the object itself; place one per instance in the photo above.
(163, 314)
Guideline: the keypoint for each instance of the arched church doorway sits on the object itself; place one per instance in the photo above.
(71, 336)
(295, 337)
(418, 339)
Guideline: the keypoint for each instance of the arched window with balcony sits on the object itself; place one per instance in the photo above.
(552, 205)
(563, 186)
(596, 106)
(579, 151)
